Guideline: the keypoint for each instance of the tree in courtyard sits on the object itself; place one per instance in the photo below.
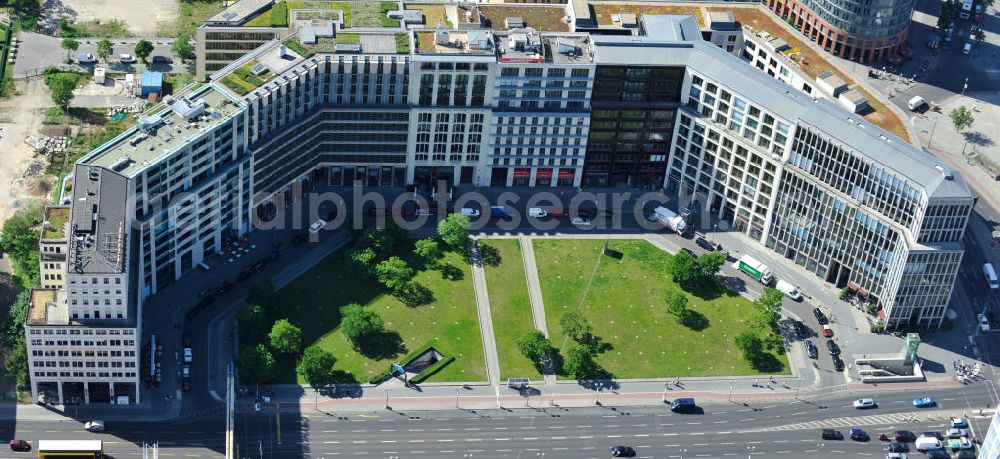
(394, 274)
(16, 363)
(676, 301)
(285, 337)
(750, 345)
(20, 241)
(251, 324)
(143, 49)
(61, 85)
(363, 258)
(105, 49)
(961, 118)
(580, 364)
(768, 310)
(574, 325)
(69, 45)
(454, 231)
(360, 324)
(380, 240)
(709, 263)
(316, 366)
(427, 249)
(256, 365)
(182, 47)
(534, 345)
(683, 269)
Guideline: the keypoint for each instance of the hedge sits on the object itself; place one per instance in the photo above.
(427, 373)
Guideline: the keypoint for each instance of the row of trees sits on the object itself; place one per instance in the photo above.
(579, 361)
(764, 335)
(694, 274)
(20, 242)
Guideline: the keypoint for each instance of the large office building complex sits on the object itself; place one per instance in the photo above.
(513, 108)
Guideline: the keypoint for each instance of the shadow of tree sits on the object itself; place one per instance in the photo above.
(382, 345)
(489, 254)
(594, 343)
(694, 320)
(708, 288)
(343, 377)
(977, 138)
(415, 294)
(766, 363)
(450, 272)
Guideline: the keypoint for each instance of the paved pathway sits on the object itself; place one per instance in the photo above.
(485, 316)
(535, 292)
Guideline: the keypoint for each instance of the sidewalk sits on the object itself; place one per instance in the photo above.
(485, 316)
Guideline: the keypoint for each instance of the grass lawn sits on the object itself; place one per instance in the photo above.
(433, 14)
(604, 11)
(541, 18)
(511, 308)
(194, 13)
(313, 302)
(812, 63)
(625, 306)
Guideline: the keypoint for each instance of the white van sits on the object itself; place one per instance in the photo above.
(928, 443)
(916, 102)
(788, 289)
(991, 276)
(537, 212)
(967, 49)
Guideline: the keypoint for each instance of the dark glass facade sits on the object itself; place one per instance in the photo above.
(632, 117)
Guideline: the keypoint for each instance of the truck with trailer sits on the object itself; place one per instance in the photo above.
(670, 219)
(754, 268)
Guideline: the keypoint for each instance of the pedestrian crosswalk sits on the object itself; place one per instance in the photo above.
(856, 421)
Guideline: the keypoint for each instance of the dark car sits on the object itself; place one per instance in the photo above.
(801, 330)
(820, 317)
(898, 447)
(622, 451)
(938, 454)
(703, 243)
(162, 60)
(905, 436)
(933, 434)
(832, 347)
(688, 251)
(300, 238)
(859, 435)
(838, 364)
(831, 434)
(19, 445)
(186, 384)
(811, 350)
(186, 339)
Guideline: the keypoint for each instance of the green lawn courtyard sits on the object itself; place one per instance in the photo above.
(625, 306)
(313, 301)
(510, 307)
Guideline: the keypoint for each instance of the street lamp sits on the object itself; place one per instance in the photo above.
(597, 396)
(666, 386)
(965, 86)
(750, 451)
(456, 396)
(387, 400)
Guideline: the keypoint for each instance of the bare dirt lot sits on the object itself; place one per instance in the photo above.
(142, 16)
(22, 175)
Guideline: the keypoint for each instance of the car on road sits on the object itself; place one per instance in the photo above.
(932, 435)
(188, 355)
(956, 444)
(938, 454)
(863, 403)
(898, 447)
(896, 456)
(622, 451)
(967, 49)
(126, 58)
(580, 221)
(924, 402)
(19, 445)
(955, 432)
(984, 322)
(811, 350)
(831, 434)
(859, 435)
(904, 436)
(186, 339)
(470, 212)
(826, 330)
(801, 330)
(832, 347)
(959, 423)
(966, 454)
(186, 384)
(87, 58)
(703, 243)
(317, 225)
(820, 317)
(94, 426)
(838, 364)
(162, 60)
(688, 251)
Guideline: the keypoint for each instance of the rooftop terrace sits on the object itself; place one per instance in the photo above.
(56, 220)
(455, 42)
(527, 46)
(47, 306)
(162, 129)
(542, 18)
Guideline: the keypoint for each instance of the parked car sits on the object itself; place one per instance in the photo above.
(924, 402)
(831, 434)
(703, 243)
(863, 403)
(94, 426)
(622, 451)
(957, 433)
(859, 435)
(898, 447)
(932, 435)
(937, 454)
(826, 330)
(186, 384)
(801, 330)
(580, 221)
(838, 364)
(688, 251)
(832, 347)
(956, 444)
(470, 212)
(19, 445)
(126, 59)
(811, 350)
(87, 58)
(188, 355)
(959, 423)
(904, 436)
(162, 60)
(896, 456)
(186, 339)
(820, 317)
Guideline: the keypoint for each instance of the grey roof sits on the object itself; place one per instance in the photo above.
(722, 20)
(671, 27)
(99, 221)
(856, 97)
(240, 12)
(627, 50)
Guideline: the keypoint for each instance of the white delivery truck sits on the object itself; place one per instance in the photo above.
(991, 276)
(754, 268)
(670, 219)
(788, 289)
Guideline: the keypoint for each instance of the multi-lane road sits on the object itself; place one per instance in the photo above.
(767, 429)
